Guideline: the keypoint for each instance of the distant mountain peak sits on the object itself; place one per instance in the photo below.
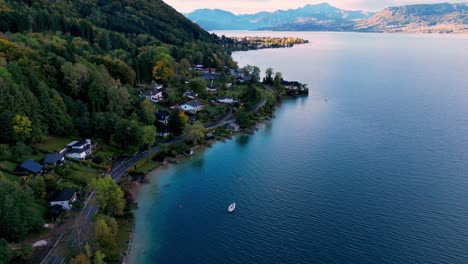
(215, 19)
(427, 18)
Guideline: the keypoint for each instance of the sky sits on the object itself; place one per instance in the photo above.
(254, 6)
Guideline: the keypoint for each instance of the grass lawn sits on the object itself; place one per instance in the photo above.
(146, 166)
(11, 177)
(8, 165)
(69, 184)
(54, 144)
(82, 173)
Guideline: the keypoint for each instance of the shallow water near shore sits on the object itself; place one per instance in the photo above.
(371, 167)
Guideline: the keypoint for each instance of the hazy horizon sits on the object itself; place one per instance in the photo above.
(250, 7)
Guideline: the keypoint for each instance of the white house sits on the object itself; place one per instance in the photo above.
(191, 106)
(226, 100)
(64, 198)
(154, 95)
(234, 126)
(79, 149)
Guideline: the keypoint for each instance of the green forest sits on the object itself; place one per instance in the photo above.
(74, 69)
(70, 67)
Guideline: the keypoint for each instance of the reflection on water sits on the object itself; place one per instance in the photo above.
(199, 162)
(243, 140)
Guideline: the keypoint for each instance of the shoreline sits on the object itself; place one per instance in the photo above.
(136, 189)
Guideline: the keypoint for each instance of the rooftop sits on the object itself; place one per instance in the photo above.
(192, 103)
(63, 195)
(162, 114)
(52, 158)
(31, 166)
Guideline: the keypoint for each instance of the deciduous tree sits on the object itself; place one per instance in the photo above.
(194, 134)
(163, 71)
(109, 196)
(80, 259)
(242, 118)
(22, 127)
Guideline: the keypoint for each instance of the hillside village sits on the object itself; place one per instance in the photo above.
(61, 171)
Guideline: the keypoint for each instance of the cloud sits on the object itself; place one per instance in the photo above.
(253, 6)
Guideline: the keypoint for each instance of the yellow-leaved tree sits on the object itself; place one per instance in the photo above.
(163, 70)
(22, 127)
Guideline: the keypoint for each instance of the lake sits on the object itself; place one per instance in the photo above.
(371, 167)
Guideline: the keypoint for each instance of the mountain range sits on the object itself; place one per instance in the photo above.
(427, 18)
(216, 19)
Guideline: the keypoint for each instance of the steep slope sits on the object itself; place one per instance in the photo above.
(70, 67)
(219, 19)
(419, 18)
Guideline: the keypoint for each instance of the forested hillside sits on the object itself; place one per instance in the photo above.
(70, 67)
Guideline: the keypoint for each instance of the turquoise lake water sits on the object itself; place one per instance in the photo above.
(377, 173)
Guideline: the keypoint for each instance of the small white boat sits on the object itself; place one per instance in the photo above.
(232, 207)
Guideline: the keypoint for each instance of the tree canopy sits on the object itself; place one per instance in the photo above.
(109, 196)
(68, 66)
(17, 216)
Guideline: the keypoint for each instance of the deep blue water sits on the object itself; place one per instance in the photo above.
(377, 173)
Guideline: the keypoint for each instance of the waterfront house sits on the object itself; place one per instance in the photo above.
(162, 116)
(191, 106)
(79, 149)
(64, 198)
(209, 135)
(292, 85)
(226, 100)
(54, 159)
(234, 127)
(31, 167)
(191, 94)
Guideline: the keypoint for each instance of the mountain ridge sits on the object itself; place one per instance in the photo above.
(419, 18)
(215, 19)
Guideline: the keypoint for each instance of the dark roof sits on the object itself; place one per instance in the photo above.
(63, 195)
(52, 158)
(151, 92)
(155, 85)
(162, 114)
(79, 150)
(190, 93)
(212, 86)
(193, 103)
(291, 83)
(31, 166)
(245, 78)
(55, 211)
(163, 129)
(224, 98)
(209, 76)
(80, 143)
